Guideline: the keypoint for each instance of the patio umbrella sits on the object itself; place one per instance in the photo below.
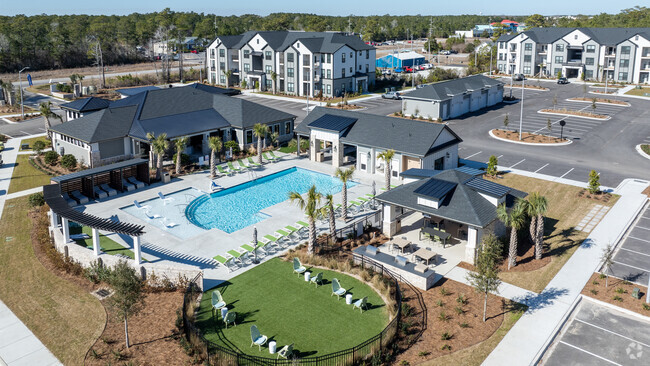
(374, 192)
(255, 244)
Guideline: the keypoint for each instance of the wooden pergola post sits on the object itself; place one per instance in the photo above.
(65, 226)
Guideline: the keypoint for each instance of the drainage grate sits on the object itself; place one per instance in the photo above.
(102, 293)
(9, 238)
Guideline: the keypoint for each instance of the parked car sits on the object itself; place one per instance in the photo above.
(427, 66)
(562, 81)
(518, 77)
(391, 95)
(408, 69)
(386, 72)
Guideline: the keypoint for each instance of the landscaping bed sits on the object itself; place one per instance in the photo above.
(600, 100)
(347, 107)
(576, 113)
(525, 259)
(602, 92)
(528, 137)
(599, 197)
(28, 117)
(646, 149)
(534, 87)
(618, 292)
(419, 118)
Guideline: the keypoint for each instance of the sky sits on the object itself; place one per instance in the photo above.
(330, 7)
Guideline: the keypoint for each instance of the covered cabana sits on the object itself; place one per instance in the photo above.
(61, 212)
(84, 181)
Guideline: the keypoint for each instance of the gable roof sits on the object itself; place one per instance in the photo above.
(137, 90)
(604, 36)
(86, 104)
(332, 123)
(316, 42)
(417, 138)
(106, 124)
(461, 204)
(448, 88)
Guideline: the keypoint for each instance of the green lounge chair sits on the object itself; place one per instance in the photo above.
(237, 255)
(273, 240)
(232, 167)
(284, 234)
(370, 195)
(217, 301)
(271, 159)
(361, 304)
(227, 262)
(302, 225)
(257, 338)
(253, 162)
(286, 351)
(293, 231)
(298, 267)
(231, 317)
(318, 279)
(337, 289)
(242, 165)
(223, 171)
(275, 156)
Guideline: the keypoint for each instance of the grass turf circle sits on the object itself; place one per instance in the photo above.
(288, 310)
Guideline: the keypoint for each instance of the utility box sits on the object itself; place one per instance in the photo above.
(166, 178)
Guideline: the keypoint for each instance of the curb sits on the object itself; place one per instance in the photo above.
(640, 151)
(510, 101)
(596, 93)
(573, 115)
(568, 142)
(519, 87)
(605, 103)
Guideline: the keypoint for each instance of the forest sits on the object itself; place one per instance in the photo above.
(65, 41)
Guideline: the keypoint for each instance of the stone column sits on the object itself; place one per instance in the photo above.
(137, 253)
(298, 148)
(205, 144)
(96, 246)
(472, 244)
(53, 220)
(337, 154)
(315, 149)
(390, 223)
(65, 226)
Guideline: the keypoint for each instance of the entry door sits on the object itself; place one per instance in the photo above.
(363, 162)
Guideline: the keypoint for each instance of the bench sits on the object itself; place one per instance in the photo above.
(371, 250)
(24, 146)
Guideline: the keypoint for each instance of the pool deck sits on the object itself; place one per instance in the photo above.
(158, 245)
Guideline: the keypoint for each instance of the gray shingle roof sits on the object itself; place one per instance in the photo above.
(106, 124)
(462, 204)
(604, 36)
(448, 88)
(435, 188)
(86, 104)
(407, 136)
(320, 42)
(133, 91)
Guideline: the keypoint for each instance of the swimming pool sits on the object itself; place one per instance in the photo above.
(238, 207)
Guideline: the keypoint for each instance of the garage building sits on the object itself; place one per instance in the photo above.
(400, 60)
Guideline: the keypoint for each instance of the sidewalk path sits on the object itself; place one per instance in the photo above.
(529, 337)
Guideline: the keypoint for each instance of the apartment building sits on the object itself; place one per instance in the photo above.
(620, 54)
(303, 63)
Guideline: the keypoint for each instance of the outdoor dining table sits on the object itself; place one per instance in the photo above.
(425, 254)
(433, 232)
(402, 243)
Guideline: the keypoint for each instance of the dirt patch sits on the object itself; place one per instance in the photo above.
(525, 259)
(618, 292)
(419, 118)
(601, 100)
(599, 197)
(528, 137)
(572, 112)
(602, 92)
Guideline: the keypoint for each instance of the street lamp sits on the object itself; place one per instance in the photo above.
(521, 114)
(20, 85)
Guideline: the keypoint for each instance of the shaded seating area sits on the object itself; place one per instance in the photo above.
(104, 181)
(418, 274)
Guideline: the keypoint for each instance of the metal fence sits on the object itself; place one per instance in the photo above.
(220, 355)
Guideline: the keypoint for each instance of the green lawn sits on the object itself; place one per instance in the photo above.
(25, 176)
(639, 92)
(646, 149)
(108, 245)
(288, 310)
(32, 140)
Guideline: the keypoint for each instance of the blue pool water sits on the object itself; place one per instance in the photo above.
(238, 207)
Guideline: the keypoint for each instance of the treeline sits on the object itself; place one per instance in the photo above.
(64, 41)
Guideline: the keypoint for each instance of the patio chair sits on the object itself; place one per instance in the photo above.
(232, 167)
(318, 279)
(135, 182)
(231, 317)
(286, 351)
(138, 205)
(257, 338)
(164, 199)
(337, 289)
(67, 198)
(108, 189)
(99, 193)
(237, 255)
(127, 186)
(272, 240)
(275, 156)
(284, 235)
(223, 171)
(298, 267)
(253, 162)
(79, 197)
(361, 304)
(168, 223)
(242, 165)
(151, 216)
(226, 262)
(215, 187)
(302, 226)
(269, 158)
(217, 301)
(293, 232)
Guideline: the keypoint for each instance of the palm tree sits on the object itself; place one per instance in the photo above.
(387, 157)
(180, 144)
(159, 145)
(310, 207)
(274, 77)
(274, 138)
(46, 112)
(215, 145)
(515, 220)
(345, 176)
(536, 208)
(260, 131)
(227, 74)
(329, 212)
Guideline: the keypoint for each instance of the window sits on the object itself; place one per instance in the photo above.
(290, 87)
(556, 71)
(290, 72)
(591, 48)
(329, 58)
(589, 61)
(575, 36)
(589, 74)
(527, 58)
(269, 84)
(267, 55)
(625, 50)
(212, 53)
(322, 58)
(249, 137)
(329, 73)
(367, 54)
(329, 89)
(367, 68)
(247, 53)
(351, 55)
(289, 57)
(267, 68)
(559, 47)
(247, 67)
(559, 59)
(287, 128)
(258, 41)
(343, 87)
(439, 164)
(343, 57)
(350, 69)
(645, 52)
(527, 70)
(501, 45)
(222, 65)
(528, 47)
(342, 73)
(222, 53)
(624, 63)
(622, 76)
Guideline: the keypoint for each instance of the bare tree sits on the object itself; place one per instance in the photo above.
(95, 51)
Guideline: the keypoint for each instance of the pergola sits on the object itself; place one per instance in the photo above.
(59, 208)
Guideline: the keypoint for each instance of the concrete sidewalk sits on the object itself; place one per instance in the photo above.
(529, 337)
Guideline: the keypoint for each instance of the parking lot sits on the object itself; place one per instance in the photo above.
(632, 258)
(599, 335)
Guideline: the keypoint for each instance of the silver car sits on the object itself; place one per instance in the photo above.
(391, 95)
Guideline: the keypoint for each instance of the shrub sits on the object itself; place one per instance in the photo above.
(602, 275)
(594, 292)
(443, 292)
(36, 199)
(69, 161)
(620, 290)
(51, 157)
(445, 336)
(64, 88)
(185, 159)
(232, 144)
(464, 325)
(646, 306)
(38, 146)
(446, 347)
(444, 317)
(407, 310)
(97, 272)
(595, 282)
(440, 303)
(459, 310)
(461, 299)
(618, 298)
(424, 353)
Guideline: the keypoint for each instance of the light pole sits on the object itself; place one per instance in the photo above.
(521, 113)
(20, 85)
(490, 60)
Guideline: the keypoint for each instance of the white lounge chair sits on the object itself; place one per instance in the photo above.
(135, 182)
(165, 199)
(215, 187)
(110, 191)
(79, 197)
(142, 207)
(151, 216)
(99, 193)
(127, 185)
(169, 224)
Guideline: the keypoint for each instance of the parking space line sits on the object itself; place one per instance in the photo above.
(614, 333)
(590, 353)
(541, 167)
(570, 170)
(631, 266)
(24, 132)
(467, 157)
(521, 161)
(645, 240)
(8, 135)
(634, 251)
(641, 227)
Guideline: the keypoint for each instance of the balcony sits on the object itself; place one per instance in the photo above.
(574, 63)
(213, 68)
(317, 64)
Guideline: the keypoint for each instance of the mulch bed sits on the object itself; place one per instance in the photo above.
(527, 137)
(526, 261)
(600, 196)
(601, 100)
(618, 288)
(28, 116)
(52, 169)
(345, 107)
(575, 113)
(646, 191)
